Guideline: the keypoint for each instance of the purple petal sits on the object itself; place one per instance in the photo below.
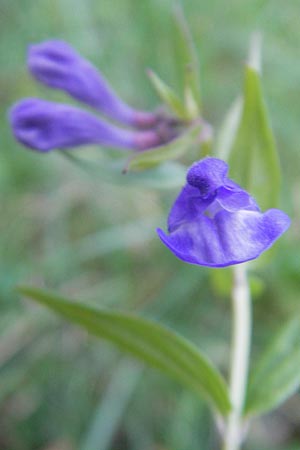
(212, 195)
(58, 65)
(187, 207)
(43, 126)
(234, 200)
(226, 239)
(207, 175)
(215, 223)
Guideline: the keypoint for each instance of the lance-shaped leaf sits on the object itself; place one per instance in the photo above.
(253, 158)
(277, 374)
(150, 342)
(173, 150)
(186, 58)
(167, 95)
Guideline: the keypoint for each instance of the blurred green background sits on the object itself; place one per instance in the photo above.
(65, 230)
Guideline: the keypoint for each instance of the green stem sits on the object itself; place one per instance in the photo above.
(241, 339)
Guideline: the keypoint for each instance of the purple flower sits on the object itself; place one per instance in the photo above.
(215, 223)
(58, 65)
(43, 126)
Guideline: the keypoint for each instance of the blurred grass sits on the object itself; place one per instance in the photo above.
(62, 230)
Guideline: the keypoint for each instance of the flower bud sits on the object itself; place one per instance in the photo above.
(44, 126)
(58, 65)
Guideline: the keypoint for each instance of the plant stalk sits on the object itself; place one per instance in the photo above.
(241, 340)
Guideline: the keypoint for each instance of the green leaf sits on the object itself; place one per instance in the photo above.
(187, 58)
(253, 159)
(173, 150)
(167, 95)
(148, 341)
(191, 107)
(277, 374)
(168, 175)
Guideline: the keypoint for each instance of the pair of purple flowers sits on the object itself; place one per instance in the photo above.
(213, 221)
(43, 125)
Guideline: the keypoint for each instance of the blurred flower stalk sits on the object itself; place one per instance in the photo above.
(214, 221)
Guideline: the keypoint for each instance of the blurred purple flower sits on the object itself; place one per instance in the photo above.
(56, 64)
(215, 223)
(43, 126)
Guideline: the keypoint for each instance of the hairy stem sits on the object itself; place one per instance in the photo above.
(241, 337)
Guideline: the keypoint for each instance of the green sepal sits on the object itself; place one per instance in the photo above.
(167, 95)
(173, 150)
